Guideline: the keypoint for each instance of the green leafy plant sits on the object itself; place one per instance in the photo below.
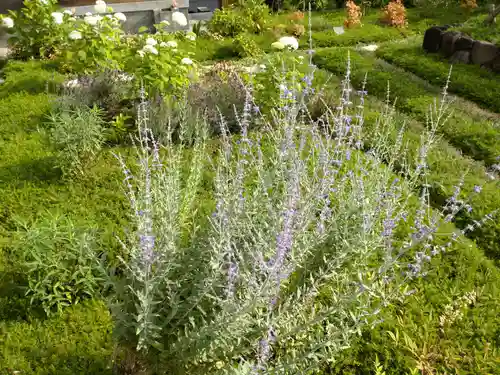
(96, 44)
(59, 261)
(77, 136)
(39, 30)
(244, 16)
(245, 46)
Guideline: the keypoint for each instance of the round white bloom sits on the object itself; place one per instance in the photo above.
(151, 42)
(72, 84)
(289, 41)
(150, 49)
(68, 12)
(75, 35)
(171, 44)
(179, 18)
(191, 36)
(278, 45)
(91, 20)
(187, 61)
(100, 6)
(8, 22)
(120, 17)
(58, 17)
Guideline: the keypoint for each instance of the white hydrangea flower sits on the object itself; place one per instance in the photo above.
(120, 17)
(100, 6)
(8, 22)
(278, 45)
(68, 12)
(179, 18)
(57, 17)
(171, 44)
(91, 20)
(187, 61)
(151, 42)
(191, 36)
(289, 41)
(75, 35)
(150, 49)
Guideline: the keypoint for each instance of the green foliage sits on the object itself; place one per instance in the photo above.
(36, 33)
(59, 262)
(77, 137)
(245, 46)
(458, 129)
(96, 48)
(476, 28)
(244, 16)
(477, 137)
(77, 342)
(469, 81)
(369, 33)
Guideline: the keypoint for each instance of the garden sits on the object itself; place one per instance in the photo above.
(289, 188)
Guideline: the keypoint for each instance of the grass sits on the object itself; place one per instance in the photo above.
(469, 81)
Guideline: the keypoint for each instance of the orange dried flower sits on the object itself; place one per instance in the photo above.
(297, 16)
(353, 14)
(395, 14)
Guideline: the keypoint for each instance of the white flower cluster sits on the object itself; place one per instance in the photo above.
(8, 22)
(286, 42)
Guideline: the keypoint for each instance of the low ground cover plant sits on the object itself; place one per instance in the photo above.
(469, 81)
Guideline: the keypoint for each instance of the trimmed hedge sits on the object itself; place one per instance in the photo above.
(446, 164)
(369, 33)
(469, 81)
(478, 138)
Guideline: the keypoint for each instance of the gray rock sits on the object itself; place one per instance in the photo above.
(494, 65)
(432, 39)
(483, 52)
(460, 57)
(448, 42)
(464, 43)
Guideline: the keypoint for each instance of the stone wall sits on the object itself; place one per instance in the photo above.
(461, 48)
(10, 4)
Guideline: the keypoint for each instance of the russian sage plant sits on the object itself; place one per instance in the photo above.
(308, 240)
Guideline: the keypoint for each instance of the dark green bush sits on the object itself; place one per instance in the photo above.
(469, 81)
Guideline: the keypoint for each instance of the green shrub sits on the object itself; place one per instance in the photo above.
(58, 261)
(469, 81)
(369, 33)
(245, 16)
(245, 46)
(76, 136)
